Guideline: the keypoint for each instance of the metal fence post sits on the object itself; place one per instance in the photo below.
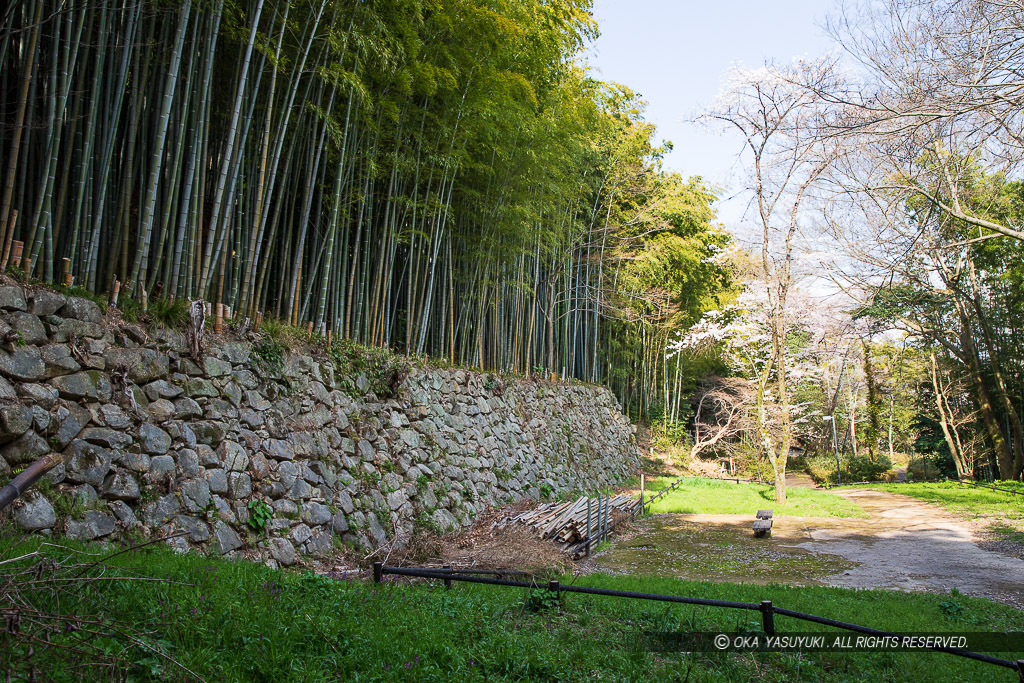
(604, 519)
(448, 581)
(589, 528)
(641, 493)
(768, 617)
(378, 572)
(553, 587)
(1020, 669)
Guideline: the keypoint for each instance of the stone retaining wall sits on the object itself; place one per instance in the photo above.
(154, 442)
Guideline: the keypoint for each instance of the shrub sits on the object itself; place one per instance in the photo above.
(924, 468)
(822, 468)
(862, 468)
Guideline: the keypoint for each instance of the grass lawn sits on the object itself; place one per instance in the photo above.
(233, 621)
(966, 500)
(713, 496)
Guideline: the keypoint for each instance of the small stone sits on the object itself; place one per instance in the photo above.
(344, 501)
(27, 327)
(7, 391)
(124, 514)
(152, 439)
(288, 473)
(195, 495)
(396, 499)
(12, 298)
(195, 529)
(85, 496)
(161, 464)
(25, 363)
(251, 418)
(285, 508)
(198, 387)
(58, 360)
(108, 438)
(38, 394)
(136, 462)
(232, 456)
(114, 416)
(160, 511)
(319, 543)
(43, 302)
(215, 367)
(15, 420)
(161, 410)
(86, 463)
(207, 456)
(239, 485)
(282, 551)
(90, 384)
(95, 525)
(280, 450)
(366, 451)
(259, 467)
(315, 514)
(376, 530)
(144, 365)
(27, 448)
(300, 534)
(301, 490)
(81, 309)
(410, 438)
(218, 480)
(225, 538)
(161, 388)
(35, 511)
(65, 330)
(209, 433)
(185, 408)
(188, 462)
(120, 485)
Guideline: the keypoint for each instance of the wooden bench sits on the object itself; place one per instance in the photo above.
(764, 514)
(763, 523)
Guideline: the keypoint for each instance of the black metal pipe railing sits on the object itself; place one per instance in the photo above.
(765, 607)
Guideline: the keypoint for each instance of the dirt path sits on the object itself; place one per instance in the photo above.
(904, 544)
(908, 544)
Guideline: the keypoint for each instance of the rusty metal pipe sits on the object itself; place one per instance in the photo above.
(27, 477)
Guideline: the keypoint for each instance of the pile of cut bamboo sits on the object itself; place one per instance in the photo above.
(571, 524)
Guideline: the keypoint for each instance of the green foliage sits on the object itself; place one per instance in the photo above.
(260, 516)
(172, 314)
(131, 310)
(863, 468)
(268, 356)
(822, 468)
(384, 371)
(542, 600)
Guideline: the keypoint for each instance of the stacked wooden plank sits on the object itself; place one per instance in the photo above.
(566, 523)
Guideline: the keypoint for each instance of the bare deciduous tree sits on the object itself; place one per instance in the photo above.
(779, 114)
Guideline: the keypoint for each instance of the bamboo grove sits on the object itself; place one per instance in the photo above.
(440, 178)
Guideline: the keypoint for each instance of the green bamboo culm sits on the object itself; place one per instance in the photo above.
(444, 179)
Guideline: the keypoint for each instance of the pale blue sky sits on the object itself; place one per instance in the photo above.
(675, 52)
